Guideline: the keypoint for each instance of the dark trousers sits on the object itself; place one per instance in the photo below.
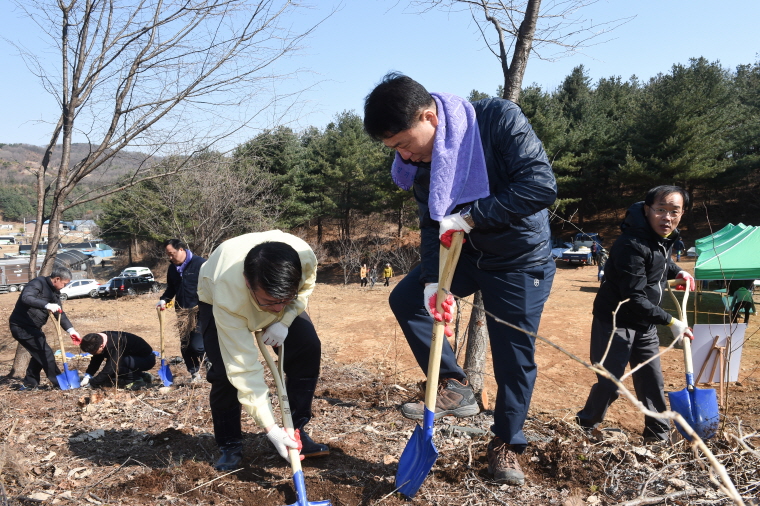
(628, 346)
(387, 282)
(301, 364)
(193, 351)
(42, 357)
(738, 306)
(517, 297)
(130, 366)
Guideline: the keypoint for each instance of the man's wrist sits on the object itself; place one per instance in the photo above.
(466, 214)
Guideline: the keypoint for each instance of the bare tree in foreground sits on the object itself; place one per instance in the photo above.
(149, 76)
(526, 27)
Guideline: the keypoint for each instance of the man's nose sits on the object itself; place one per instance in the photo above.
(405, 154)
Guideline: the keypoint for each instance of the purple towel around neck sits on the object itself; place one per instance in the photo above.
(458, 171)
(181, 268)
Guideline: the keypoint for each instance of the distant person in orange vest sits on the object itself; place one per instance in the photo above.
(387, 274)
(363, 275)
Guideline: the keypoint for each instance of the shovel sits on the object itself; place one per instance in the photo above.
(163, 370)
(420, 453)
(287, 421)
(699, 407)
(67, 379)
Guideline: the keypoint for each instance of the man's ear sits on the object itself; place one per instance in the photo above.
(429, 115)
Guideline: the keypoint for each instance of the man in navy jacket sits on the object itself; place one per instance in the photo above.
(182, 286)
(507, 254)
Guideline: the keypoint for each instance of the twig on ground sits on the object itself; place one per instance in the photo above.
(639, 501)
(210, 481)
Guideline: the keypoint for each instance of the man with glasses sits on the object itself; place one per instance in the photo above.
(636, 272)
(259, 282)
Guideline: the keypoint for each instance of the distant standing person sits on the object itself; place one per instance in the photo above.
(742, 300)
(363, 275)
(128, 357)
(637, 270)
(387, 274)
(373, 276)
(680, 249)
(40, 297)
(182, 286)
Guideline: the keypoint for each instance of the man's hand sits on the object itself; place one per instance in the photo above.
(161, 305)
(53, 308)
(448, 306)
(282, 441)
(450, 224)
(679, 328)
(75, 337)
(688, 278)
(85, 380)
(275, 334)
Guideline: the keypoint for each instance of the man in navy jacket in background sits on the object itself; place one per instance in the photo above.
(182, 286)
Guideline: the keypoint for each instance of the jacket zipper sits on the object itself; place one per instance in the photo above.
(480, 256)
(659, 285)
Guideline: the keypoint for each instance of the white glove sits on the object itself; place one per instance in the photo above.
(161, 305)
(449, 305)
(688, 278)
(282, 441)
(453, 222)
(75, 337)
(85, 380)
(679, 328)
(275, 334)
(54, 308)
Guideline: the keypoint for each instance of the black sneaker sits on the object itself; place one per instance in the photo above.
(454, 398)
(147, 377)
(311, 448)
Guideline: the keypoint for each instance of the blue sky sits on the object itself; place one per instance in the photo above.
(364, 39)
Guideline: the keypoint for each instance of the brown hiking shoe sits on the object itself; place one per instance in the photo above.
(454, 398)
(503, 464)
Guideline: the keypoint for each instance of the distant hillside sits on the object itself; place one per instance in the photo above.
(14, 158)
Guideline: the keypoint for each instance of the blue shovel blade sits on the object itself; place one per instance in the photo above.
(417, 458)
(165, 374)
(68, 379)
(700, 410)
(300, 486)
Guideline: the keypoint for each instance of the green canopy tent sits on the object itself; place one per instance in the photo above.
(718, 244)
(714, 235)
(736, 260)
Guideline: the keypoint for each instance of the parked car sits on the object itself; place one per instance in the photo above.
(135, 272)
(125, 285)
(80, 288)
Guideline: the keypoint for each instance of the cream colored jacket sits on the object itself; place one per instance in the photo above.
(237, 315)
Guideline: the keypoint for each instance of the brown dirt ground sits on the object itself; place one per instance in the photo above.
(157, 445)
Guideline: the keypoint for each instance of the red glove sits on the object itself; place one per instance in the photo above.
(688, 278)
(447, 236)
(75, 337)
(448, 306)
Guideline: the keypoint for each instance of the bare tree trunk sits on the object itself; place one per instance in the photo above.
(20, 363)
(513, 77)
(477, 346)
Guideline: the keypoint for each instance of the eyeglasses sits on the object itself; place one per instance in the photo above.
(659, 211)
(283, 302)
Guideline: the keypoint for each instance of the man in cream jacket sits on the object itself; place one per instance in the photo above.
(259, 281)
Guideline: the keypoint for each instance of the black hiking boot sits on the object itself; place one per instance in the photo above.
(311, 448)
(232, 457)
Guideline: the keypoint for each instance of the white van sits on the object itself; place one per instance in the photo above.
(134, 272)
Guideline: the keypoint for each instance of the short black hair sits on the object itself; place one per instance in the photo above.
(176, 244)
(657, 192)
(275, 267)
(59, 271)
(393, 105)
(91, 343)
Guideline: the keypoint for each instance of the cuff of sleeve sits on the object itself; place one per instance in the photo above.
(671, 322)
(264, 417)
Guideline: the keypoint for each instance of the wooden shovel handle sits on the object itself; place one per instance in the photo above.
(60, 338)
(279, 381)
(161, 330)
(447, 263)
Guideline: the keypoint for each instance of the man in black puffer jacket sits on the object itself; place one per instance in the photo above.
(637, 269)
(40, 297)
(128, 357)
(182, 286)
(478, 168)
